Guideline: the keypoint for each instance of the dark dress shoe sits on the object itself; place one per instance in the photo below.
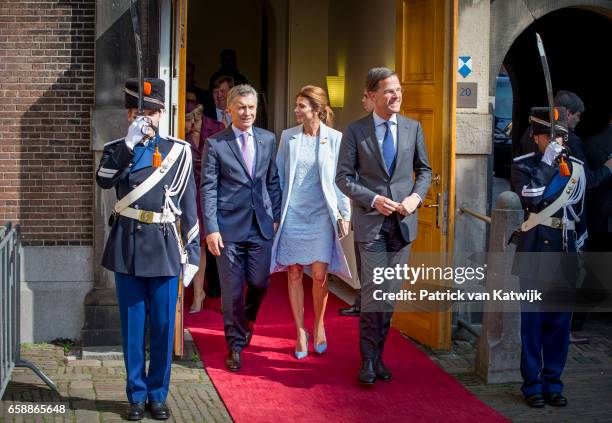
(135, 411)
(555, 399)
(367, 374)
(382, 373)
(535, 401)
(159, 410)
(233, 362)
(352, 311)
(249, 332)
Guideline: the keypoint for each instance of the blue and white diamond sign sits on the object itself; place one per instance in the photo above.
(464, 67)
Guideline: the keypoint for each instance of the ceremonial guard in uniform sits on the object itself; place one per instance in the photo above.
(154, 238)
(551, 185)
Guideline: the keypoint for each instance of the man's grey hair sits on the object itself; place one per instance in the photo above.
(570, 101)
(375, 75)
(241, 90)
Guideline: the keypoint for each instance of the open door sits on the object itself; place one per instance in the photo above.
(177, 14)
(425, 40)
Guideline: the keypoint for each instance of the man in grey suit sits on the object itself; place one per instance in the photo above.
(241, 198)
(383, 167)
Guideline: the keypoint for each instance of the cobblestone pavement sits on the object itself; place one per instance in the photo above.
(95, 389)
(587, 378)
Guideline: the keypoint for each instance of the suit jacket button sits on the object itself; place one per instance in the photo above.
(138, 227)
(546, 242)
(136, 206)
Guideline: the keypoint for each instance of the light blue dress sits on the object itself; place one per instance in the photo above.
(308, 233)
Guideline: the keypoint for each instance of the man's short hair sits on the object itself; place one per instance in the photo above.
(241, 90)
(570, 101)
(375, 75)
(220, 80)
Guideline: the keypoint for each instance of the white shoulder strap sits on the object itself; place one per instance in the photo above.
(535, 219)
(152, 180)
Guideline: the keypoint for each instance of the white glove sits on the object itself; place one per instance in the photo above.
(189, 271)
(137, 131)
(551, 153)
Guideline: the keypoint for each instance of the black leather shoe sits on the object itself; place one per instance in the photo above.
(249, 332)
(382, 373)
(233, 361)
(135, 411)
(352, 311)
(367, 374)
(555, 399)
(535, 401)
(159, 410)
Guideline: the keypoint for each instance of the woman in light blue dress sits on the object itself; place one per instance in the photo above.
(315, 214)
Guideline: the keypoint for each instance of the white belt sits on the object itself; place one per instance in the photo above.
(146, 216)
(557, 223)
(535, 219)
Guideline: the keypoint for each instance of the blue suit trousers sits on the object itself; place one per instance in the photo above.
(139, 297)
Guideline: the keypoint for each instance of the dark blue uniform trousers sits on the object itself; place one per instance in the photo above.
(545, 341)
(139, 296)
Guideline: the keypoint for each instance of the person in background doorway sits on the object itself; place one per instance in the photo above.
(203, 96)
(198, 127)
(229, 67)
(220, 88)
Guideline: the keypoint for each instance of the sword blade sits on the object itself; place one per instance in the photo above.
(549, 89)
(136, 28)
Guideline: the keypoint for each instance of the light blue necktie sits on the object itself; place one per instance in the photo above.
(388, 149)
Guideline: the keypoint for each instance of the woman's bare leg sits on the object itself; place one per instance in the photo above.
(320, 292)
(296, 299)
(198, 285)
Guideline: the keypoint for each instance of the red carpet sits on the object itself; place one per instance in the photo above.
(273, 386)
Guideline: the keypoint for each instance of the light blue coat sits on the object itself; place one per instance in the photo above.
(338, 204)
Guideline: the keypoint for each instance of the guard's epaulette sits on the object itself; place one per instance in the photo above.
(574, 159)
(114, 141)
(523, 157)
(177, 140)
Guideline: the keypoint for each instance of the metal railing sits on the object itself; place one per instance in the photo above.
(462, 324)
(479, 216)
(10, 291)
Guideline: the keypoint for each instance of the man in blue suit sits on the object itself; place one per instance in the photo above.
(241, 198)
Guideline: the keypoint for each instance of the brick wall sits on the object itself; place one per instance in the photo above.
(46, 92)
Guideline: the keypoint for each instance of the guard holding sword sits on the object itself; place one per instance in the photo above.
(551, 184)
(154, 239)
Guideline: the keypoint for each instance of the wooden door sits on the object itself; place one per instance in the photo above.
(425, 50)
(177, 110)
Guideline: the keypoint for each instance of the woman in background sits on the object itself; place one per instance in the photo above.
(315, 214)
(198, 127)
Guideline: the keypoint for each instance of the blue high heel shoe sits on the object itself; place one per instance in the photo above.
(302, 354)
(321, 348)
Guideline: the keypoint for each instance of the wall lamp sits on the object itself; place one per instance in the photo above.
(335, 89)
